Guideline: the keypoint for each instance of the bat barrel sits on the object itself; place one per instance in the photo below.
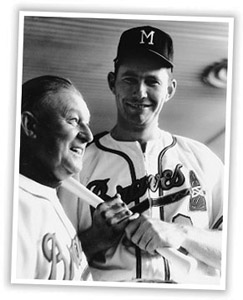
(76, 188)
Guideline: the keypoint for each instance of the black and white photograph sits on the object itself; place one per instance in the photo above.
(122, 150)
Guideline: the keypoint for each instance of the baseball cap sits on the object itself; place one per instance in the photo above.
(146, 39)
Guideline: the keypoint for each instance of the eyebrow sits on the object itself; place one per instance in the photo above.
(129, 73)
(132, 73)
(148, 77)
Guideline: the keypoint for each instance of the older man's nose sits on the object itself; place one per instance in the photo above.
(85, 134)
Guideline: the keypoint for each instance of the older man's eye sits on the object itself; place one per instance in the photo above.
(74, 121)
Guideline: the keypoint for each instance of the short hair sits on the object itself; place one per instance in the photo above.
(36, 90)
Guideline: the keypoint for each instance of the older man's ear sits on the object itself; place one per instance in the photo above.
(29, 124)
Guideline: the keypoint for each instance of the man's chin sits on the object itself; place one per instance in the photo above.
(70, 171)
(78, 167)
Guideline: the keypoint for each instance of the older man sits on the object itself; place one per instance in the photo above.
(54, 133)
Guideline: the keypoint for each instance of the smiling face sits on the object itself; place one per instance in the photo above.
(62, 134)
(141, 87)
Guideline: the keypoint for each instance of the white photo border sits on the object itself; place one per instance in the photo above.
(22, 15)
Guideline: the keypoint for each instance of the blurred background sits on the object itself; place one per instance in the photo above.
(83, 49)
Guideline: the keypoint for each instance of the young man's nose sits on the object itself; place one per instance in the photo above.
(140, 90)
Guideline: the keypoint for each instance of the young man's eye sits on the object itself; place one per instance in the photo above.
(129, 80)
(153, 82)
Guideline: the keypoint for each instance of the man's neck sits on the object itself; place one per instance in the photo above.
(37, 174)
(142, 135)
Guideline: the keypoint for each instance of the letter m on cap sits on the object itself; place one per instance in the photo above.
(148, 37)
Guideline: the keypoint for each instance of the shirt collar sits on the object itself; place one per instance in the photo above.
(36, 188)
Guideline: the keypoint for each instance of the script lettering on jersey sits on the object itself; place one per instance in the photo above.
(166, 181)
(129, 193)
(53, 253)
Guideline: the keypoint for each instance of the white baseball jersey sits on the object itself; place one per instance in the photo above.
(47, 244)
(170, 164)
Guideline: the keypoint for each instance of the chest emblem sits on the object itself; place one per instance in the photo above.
(197, 200)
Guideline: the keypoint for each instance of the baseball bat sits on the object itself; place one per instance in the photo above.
(78, 189)
(185, 263)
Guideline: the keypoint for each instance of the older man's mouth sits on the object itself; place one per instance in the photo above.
(77, 150)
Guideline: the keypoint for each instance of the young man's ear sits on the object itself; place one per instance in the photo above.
(171, 89)
(29, 124)
(111, 81)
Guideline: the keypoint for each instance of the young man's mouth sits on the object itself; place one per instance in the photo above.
(138, 105)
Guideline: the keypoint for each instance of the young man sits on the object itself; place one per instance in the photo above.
(54, 134)
(139, 161)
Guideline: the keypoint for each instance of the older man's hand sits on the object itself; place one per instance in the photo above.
(110, 219)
